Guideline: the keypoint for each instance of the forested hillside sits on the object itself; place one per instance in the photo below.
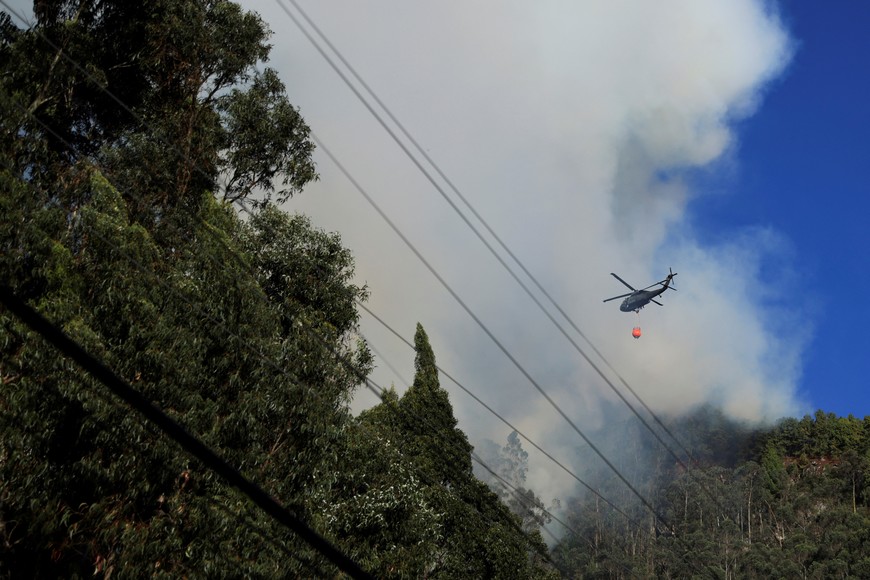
(791, 501)
(143, 148)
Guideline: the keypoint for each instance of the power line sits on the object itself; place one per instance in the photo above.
(480, 218)
(507, 423)
(175, 431)
(487, 331)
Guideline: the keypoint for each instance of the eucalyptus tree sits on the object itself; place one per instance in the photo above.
(166, 96)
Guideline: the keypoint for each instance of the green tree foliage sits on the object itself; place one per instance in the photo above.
(379, 506)
(432, 440)
(165, 94)
(265, 138)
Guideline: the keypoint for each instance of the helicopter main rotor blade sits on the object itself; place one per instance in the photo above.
(653, 285)
(662, 283)
(620, 296)
(623, 281)
(657, 302)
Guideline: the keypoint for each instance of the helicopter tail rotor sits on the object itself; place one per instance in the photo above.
(670, 279)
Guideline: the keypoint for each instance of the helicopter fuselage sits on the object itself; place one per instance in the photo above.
(639, 299)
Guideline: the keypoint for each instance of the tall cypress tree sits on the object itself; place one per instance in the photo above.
(434, 442)
(482, 539)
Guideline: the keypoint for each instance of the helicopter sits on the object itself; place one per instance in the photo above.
(637, 299)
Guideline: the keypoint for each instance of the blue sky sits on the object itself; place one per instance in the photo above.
(804, 170)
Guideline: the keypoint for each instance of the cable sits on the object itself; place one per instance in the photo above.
(507, 423)
(175, 431)
(476, 214)
(489, 333)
